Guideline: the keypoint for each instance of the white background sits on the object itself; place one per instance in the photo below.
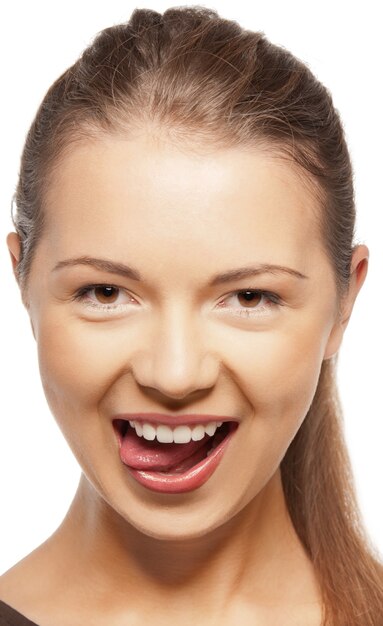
(340, 41)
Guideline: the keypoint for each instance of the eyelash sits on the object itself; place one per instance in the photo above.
(273, 300)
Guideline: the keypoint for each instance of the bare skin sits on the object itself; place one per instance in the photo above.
(226, 553)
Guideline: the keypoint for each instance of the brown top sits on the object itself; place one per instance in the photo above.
(11, 617)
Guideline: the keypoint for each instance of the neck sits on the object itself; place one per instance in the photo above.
(257, 552)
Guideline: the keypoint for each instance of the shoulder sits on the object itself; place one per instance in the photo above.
(21, 590)
(14, 586)
(9, 616)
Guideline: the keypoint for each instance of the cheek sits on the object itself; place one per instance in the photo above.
(77, 364)
(289, 374)
(280, 379)
(279, 382)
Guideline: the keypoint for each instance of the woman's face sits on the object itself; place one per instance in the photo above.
(177, 342)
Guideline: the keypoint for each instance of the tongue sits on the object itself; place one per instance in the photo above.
(141, 454)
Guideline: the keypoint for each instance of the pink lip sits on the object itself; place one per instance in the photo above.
(173, 420)
(189, 480)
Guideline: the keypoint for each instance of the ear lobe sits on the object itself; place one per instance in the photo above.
(334, 341)
(33, 329)
(358, 273)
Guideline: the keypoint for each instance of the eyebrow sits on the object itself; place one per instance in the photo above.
(130, 272)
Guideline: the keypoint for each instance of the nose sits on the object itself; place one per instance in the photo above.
(174, 360)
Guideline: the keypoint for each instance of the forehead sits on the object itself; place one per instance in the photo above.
(117, 197)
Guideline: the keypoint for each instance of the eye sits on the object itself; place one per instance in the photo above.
(103, 296)
(248, 302)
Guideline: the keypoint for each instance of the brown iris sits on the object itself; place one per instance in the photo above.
(250, 297)
(106, 294)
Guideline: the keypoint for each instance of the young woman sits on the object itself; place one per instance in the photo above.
(184, 247)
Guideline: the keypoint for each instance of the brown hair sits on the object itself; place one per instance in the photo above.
(207, 81)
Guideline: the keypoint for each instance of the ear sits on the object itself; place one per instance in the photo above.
(14, 247)
(358, 272)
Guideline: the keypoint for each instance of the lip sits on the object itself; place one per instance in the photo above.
(190, 479)
(173, 420)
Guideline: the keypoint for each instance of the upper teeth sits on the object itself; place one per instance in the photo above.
(180, 434)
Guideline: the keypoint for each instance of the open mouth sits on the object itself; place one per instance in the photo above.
(169, 466)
